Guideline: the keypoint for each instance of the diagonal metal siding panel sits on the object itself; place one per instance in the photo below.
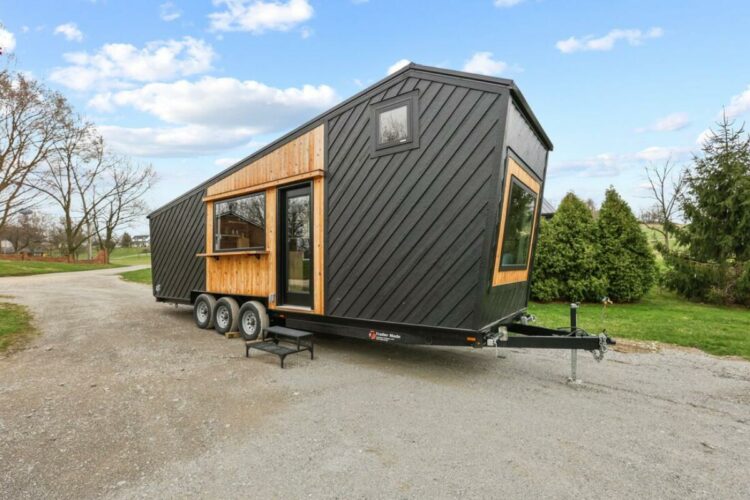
(177, 234)
(405, 231)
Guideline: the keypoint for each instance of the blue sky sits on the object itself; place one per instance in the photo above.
(191, 86)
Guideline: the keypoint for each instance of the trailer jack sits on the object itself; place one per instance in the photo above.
(522, 335)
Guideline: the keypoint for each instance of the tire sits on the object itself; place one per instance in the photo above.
(253, 319)
(203, 311)
(226, 313)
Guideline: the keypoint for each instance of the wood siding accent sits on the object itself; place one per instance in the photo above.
(238, 275)
(319, 245)
(406, 231)
(302, 155)
(271, 237)
(500, 277)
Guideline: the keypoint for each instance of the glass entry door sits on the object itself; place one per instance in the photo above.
(295, 259)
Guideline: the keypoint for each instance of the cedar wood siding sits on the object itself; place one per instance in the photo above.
(500, 301)
(178, 233)
(406, 231)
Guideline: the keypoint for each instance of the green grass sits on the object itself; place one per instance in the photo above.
(26, 268)
(663, 317)
(15, 325)
(139, 276)
(130, 256)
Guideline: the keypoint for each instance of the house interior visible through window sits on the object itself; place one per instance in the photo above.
(393, 125)
(240, 223)
(519, 223)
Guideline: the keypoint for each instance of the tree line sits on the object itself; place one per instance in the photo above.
(701, 213)
(51, 156)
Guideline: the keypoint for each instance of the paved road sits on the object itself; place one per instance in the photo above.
(122, 397)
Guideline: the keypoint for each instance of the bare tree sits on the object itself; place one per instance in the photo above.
(29, 113)
(26, 231)
(125, 183)
(666, 188)
(73, 167)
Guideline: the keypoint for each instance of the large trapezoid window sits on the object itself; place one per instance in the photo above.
(519, 223)
(520, 202)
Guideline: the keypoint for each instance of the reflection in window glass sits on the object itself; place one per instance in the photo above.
(299, 252)
(518, 225)
(240, 223)
(393, 125)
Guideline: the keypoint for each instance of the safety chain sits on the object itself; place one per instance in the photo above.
(599, 353)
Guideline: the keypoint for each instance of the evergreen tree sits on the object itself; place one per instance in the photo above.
(565, 265)
(714, 264)
(126, 241)
(623, 253)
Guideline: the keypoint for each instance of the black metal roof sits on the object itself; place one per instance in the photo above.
(410, 68)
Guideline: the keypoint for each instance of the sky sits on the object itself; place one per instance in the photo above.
(193, 86)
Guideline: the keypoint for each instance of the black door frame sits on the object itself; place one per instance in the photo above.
(281, 244)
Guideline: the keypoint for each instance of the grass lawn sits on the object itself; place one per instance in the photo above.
(139, 276)
(15, 325)
(664, 317)
(130, 256)
(26, 268)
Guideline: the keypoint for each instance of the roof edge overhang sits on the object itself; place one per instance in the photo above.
(401, 73)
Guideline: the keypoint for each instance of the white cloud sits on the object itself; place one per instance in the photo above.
(739, 104)
(226, 162)
(223, 102)
(215, 113)
(173, 141)
(24, 29)
(7, 41)
(669, 123)
(482, 63)
(606, 42)
(703, 137)
(507, 3)
(306, 32)
(398, 65)
(120, 64)
(258, 16)
(659, 153)
(169, 12)
(70, 31)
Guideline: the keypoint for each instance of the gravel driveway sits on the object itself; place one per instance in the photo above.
(123, 397)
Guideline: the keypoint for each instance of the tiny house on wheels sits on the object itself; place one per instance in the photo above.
(408, 213)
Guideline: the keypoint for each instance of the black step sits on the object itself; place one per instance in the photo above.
(288, 332)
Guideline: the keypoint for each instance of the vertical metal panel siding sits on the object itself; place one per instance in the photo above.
(502, 301)
(177, 234)
(405, 231)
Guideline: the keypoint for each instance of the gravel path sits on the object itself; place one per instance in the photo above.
(123, 397)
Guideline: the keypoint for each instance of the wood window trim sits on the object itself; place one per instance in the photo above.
(508, 276)
(411, 101)
(263, 187)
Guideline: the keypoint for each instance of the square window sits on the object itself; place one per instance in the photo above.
(240, 223)
(393, 125)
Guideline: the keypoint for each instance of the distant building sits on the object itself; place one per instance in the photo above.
(6, 247)
(547, 209)
(141, 240)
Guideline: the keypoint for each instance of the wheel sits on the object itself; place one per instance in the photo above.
(253, 319)
(226, 313)
(203, 311)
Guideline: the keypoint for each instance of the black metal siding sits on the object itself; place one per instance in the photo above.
(501, 301)
(405, 231)
(178, 233)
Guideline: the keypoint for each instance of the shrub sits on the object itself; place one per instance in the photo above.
(624, 255)
(565, 266)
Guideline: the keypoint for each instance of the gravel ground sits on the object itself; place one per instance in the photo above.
(123, 397)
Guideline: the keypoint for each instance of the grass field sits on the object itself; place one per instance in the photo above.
(139, 276)
(15, 325)
(130, 256)
(26, 268)
(663, 317)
